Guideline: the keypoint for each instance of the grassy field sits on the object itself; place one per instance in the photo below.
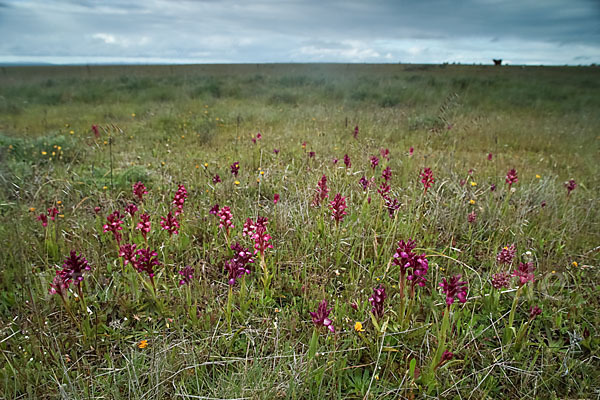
(184, 315)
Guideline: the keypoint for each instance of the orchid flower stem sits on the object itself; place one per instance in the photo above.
(228, 309)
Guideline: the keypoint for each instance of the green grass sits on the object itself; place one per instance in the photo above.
(174, 125)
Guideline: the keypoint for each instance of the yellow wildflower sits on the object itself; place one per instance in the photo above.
(237, 182)
(206, 164)
(358, 327)
(143, 344)
(471, 201)
(574, 263)
(537, 176)
(44, 153)
(473, 183)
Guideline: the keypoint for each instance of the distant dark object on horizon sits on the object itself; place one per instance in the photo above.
(497, 62)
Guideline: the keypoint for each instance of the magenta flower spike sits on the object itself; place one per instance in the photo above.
(128, 253)
(427, 179)
(376, 300)
(385, 153)
(52, 213)
(59, 285)
(338, 208)
(225, 219)
(392, 205)
(454, 287)
(96, 131)
(276, 151)
(320, 317)
(374, 162)
(384, 189)
(74, 267)
(216, 179)
(507, 254)
(238, 266)
(144, 225)
(364, 183)
(139, 190)
(570, 185)
(249, 228)
(170, 224)
(275, 198)
(356, 132)
(311, 154)
(447, 356)
(472, 217)
(235, 168)
(321, 192)
(534, 312)
(131, 209)
(411, 151)
(413, 266)
(114, 226)
(44, 219)
(524, 273)
(260, 236)
(146, 260)
(501, 280)
(179, 199)
(214, 210)
(187, 275)
(489, 156)
(347, 162)
(386, 174)
(511, 177)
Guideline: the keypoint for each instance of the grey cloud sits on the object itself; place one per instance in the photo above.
(300, 30)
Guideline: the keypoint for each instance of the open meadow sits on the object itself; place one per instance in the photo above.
(302, 231)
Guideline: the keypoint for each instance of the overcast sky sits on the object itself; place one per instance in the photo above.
(237, 31)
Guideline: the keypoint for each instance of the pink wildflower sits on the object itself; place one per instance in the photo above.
(506, 255)
(139, 190)
(225, 219)
(376, 300)
(374, 162)
(187, 274)
(322, 191)
(356, 132)
(385, 153)
(144, 225)
(114, 225)
(501, 280)
(338, 207)
(427, 179)
(524, 273)
(275, 198)
(170, 224)
(511, 177)
(235, 168)
(179, 199)
(570, 185)
(320, 317)
(131, 209)
(386, 174)
(454, 287)
(347, 162)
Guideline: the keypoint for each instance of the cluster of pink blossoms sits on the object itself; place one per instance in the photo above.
(72, 272)
(179, 199)
(114, 226)
(257, 231)
(321, 191)
(225, 219)
(338, 208)
(43, 218)
(427, 179)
